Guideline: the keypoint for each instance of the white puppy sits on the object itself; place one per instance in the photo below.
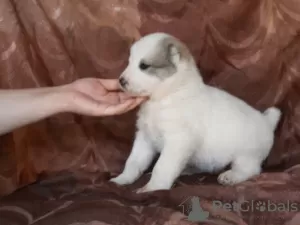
(188, 122)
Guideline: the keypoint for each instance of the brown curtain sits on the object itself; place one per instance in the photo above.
(249, 48)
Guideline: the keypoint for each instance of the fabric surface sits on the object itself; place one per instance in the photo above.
(249, 48)
(271, 199)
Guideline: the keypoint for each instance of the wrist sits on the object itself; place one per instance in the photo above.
(59, 99)
(65, 98)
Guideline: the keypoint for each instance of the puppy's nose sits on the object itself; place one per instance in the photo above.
(123, 81)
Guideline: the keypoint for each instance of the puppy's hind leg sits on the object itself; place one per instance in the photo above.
(243, 168)
(138, 161)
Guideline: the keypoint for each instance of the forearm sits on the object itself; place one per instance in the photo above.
(24, 106)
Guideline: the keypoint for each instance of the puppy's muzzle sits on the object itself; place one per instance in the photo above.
(123, 82)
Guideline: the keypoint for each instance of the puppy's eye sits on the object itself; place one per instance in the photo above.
(144, 66)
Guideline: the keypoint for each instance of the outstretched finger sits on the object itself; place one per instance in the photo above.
(110, 84)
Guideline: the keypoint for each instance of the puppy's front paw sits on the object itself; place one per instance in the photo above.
(141, 190)
(120, 180)
(229, 178)
(150, 188)
(144, 189)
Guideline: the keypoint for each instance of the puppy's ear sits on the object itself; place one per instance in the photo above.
(165, 55)
(174, 54)
(177, 51)
(168, 54)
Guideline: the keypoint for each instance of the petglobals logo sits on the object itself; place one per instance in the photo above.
(261, 206)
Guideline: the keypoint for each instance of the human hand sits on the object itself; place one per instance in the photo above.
(98, 97)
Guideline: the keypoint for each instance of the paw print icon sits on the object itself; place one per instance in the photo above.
(261, 206)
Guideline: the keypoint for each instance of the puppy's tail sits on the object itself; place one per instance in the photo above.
(273, 116)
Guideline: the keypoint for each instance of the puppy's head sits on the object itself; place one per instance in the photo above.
(153, 60)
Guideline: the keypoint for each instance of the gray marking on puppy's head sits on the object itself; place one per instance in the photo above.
(164, 60)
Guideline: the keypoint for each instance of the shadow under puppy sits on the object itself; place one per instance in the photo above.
(188, 122)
